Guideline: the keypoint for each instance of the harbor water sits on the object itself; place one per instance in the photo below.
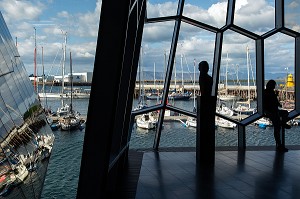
(63, 170)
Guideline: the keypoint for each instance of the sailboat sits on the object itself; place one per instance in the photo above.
(68, 118)
(174, 95)
(221, 122)
(77, 93)
(244, 107)
(71, 119)
(224, 110)
(192, 121)
(154, 94)
(141, 104)
(147, 120)
(226, 96)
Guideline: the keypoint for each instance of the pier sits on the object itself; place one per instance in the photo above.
(242, 91)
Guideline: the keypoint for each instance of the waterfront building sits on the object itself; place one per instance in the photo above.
(26, 139)
(84, 77)
(109, 168)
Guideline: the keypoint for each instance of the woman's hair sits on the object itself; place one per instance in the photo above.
(203, 66)
(271, 84)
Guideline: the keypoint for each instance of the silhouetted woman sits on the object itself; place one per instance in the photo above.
(205, 80)
(278, 116)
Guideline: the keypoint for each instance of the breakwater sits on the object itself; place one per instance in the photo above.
(242, 91)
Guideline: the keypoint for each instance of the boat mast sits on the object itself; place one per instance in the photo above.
(154, 79)
(182, 84)
(71, 71)
(154, 75)
(226, 73)
(175, 76)
(165, 64)
(43, 77)
(142, 73)
(194, 85)
(63, 67)
(140, 90)
(248, 70)
(34, 73)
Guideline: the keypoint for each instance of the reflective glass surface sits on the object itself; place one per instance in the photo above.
(26, 139)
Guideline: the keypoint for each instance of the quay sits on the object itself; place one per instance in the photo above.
(242, 91)
(55, 118)
(65, 83)
(180, 117)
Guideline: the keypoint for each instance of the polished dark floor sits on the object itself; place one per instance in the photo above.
(254, 173)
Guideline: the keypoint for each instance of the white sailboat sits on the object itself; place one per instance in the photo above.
(77, 93)
(147, 120)
(181, 95)
(71, 120)
(220, 122)
(244, 107)
(141, 104)
(226, 96)
(263, 122)
(224, 110)
(154, 94)
(192, 121)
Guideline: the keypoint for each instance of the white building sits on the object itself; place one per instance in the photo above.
(85, 77)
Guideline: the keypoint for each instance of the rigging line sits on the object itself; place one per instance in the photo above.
(252, 73)
(58, 50)
(187, 67)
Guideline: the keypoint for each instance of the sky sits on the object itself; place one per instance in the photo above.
(80, 20)
(44, 22)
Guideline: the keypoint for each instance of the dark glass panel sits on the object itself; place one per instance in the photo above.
(161, 9)
(211, 12)
(255, 16)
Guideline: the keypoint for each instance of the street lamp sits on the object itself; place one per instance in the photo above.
(286, 81)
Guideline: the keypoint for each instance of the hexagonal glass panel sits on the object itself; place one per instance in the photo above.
(292, 15)
(209, 12)
(279, 65)
(141, 137)
(181, 128)
(185, 75)
(161, 8)
(152, 64)
(259, 134)
(237, 96)
(255, 16)
(226, 136)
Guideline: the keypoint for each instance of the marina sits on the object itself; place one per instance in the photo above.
(241, 91)
(143, 141)
(67, 149)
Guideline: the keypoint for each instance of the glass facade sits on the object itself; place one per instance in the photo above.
(26, 139)
(242, 56)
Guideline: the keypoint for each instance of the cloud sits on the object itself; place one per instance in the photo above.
(22, 10)
(82, 27)
(161, 9)
(257, 16)
(293, 4)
